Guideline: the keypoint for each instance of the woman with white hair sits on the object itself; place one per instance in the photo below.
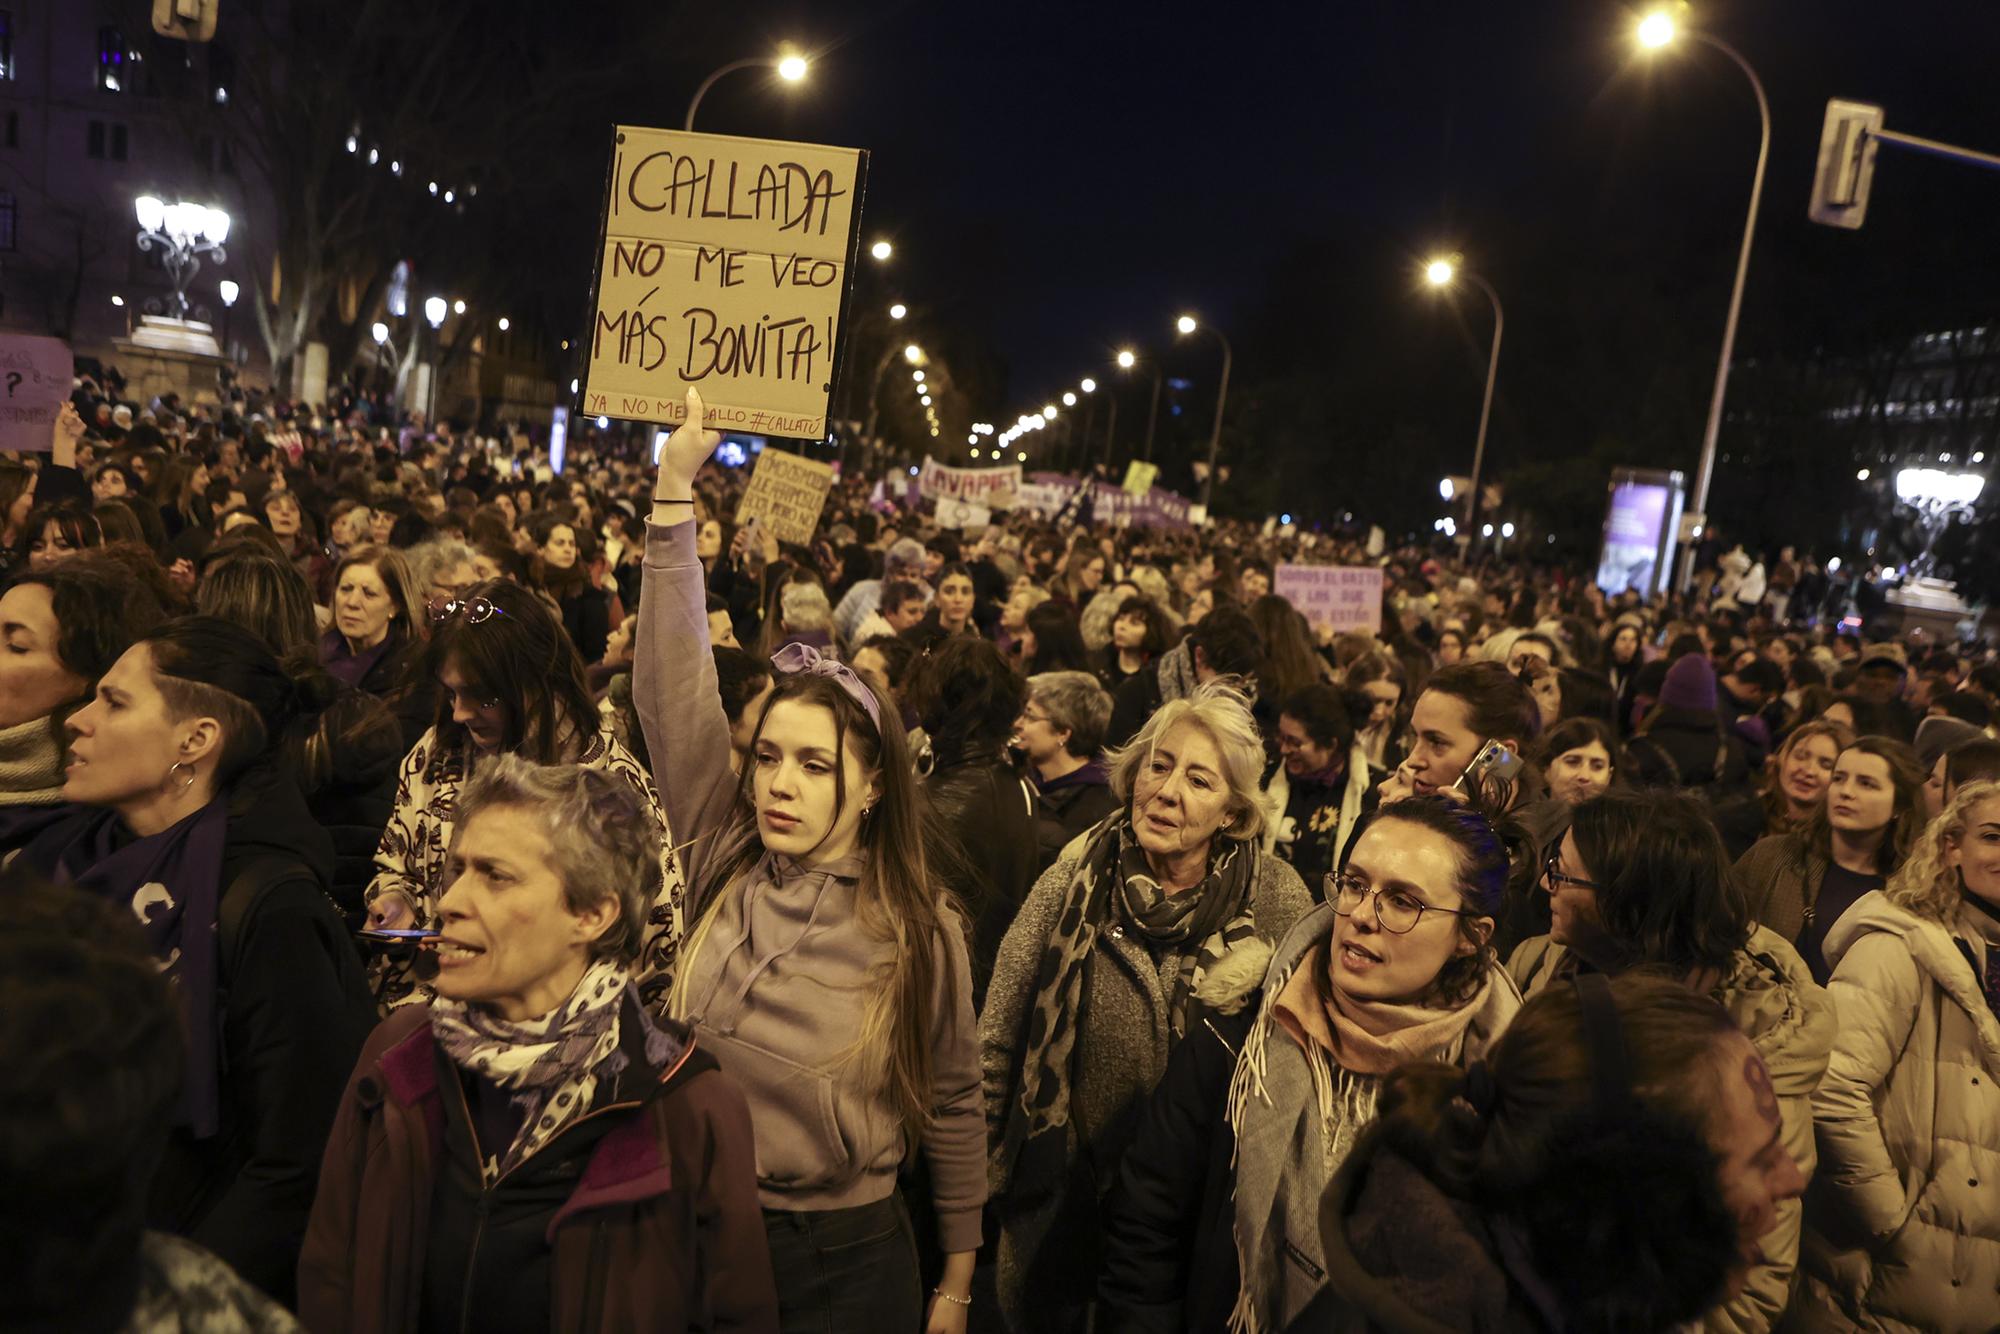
(535, 1148)
(1163, 913)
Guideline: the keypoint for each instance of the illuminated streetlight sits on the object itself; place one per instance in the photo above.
(897, 311)
(1069, 400)
(1089, 386)
(1861, 476)
(1452, 269)
(1656, 30)
(228, 288)
(790, 65)
(1049, 413)
(458, 308)
(918, 376)
(117, 300)
(434, 311)
(1445, 489)
(881, 250)
(503, 324)
(1020, 458)
(380, 332)
(913, 354)
(183, 234)
(1187, 325)
(1127, 359)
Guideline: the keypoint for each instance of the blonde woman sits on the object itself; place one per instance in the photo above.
(1907, 1202)
(1162, 914)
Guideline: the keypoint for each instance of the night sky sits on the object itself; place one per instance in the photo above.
(1064, 178)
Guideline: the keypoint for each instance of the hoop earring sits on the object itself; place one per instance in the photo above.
(187, 782)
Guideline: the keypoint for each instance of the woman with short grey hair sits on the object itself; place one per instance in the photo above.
(455, 1193)
(1163, 913)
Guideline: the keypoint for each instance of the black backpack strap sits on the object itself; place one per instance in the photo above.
(245, 890)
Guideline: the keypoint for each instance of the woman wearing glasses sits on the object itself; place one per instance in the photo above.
(509, 682)
(1641, 881)
(1216, 1215)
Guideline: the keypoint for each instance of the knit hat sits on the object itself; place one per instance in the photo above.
(1940, 736)
(1690, 685)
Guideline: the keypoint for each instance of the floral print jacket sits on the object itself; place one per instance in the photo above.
(410, 863)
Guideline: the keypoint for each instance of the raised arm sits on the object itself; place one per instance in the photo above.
(673, 668)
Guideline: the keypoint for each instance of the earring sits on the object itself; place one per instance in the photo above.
(187, 782)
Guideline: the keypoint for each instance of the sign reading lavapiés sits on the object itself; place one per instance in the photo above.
(724, 265)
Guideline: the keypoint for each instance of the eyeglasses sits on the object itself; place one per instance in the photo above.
(475, 610)
(1557, 878)
(1397, 910)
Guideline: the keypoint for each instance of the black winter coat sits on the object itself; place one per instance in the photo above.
(1169, 1224)
(295, 1009)
(1689, 749)
(1132, 704)
(1065, 809)
(988, 812)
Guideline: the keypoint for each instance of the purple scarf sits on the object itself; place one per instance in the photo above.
(346, 666)
(172, 882)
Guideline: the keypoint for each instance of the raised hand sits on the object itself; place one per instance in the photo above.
(685, 451)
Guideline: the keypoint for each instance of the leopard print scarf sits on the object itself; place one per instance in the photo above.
(1113, 888)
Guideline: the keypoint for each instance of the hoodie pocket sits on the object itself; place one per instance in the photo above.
(799, 1142)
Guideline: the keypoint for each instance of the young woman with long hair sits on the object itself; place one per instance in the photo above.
(1792, 790)
(825, 970)
(1799, 883)
(1908, 1115)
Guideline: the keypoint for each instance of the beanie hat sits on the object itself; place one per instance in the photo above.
(1940, 736)
(1690, 685)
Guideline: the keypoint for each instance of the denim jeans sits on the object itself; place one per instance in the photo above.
(846, 1271)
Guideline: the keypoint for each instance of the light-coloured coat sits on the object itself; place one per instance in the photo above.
(1905, 1215)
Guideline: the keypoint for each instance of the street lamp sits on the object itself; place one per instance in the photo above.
(434, 311)
(1441, 273)
(1127, 359)
(183, 233)
(790, 65)
(881, 250)
(228, 289)
(1089, 386)
(913, 354)
(1069, 400)
(380, 331)
(1187, 324)
(898, 311)
(1655, 31)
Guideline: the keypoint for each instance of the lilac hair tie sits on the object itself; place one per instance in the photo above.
(796, 658)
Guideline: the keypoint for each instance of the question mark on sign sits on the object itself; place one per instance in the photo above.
(13, 382)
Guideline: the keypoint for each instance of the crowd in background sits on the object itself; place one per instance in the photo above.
(443, 892)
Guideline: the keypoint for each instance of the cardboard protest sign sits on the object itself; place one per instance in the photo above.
(993, 488)
(1139, 477)
(36, 376)
(786, 493)
(724, 264)
(1334, 598)
(957, 514)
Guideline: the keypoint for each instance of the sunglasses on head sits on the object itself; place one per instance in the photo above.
(474, 610)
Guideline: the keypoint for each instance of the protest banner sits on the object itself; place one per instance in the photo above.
(993, 488)
(723, 264)
(1139, 477)
(36, 376)
(957, 514)
(1334, 598)
(786, 493)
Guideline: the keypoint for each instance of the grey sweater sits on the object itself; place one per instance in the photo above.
(777, 976)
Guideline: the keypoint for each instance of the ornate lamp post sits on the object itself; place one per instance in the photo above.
(184, 234)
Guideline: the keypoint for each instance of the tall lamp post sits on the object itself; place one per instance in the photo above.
(228, 290)
(1187, 324)
(790, 65)
(1127, 359)
(1656, 30)
(1441, 274)
(183, 234)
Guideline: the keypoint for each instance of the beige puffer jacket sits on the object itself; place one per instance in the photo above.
(1789, 1019)
(1908, 1120)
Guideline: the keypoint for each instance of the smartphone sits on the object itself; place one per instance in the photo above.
(1493, 760)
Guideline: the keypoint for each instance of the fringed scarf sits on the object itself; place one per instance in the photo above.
(552, 1065)
(1304, 1089)
(1113, 889)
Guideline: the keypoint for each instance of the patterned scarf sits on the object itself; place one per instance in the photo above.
(552, 1064)
(1114, 888)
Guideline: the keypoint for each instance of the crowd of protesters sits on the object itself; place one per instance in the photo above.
(442, 892)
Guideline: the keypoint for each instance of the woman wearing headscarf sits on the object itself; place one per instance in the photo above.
(1161, 915)
(534, 1149)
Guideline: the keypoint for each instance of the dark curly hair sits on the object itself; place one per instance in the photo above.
(966, 696)
(93, 1056)
(1617, 1199)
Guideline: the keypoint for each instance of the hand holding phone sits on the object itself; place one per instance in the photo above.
(1493, 760)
